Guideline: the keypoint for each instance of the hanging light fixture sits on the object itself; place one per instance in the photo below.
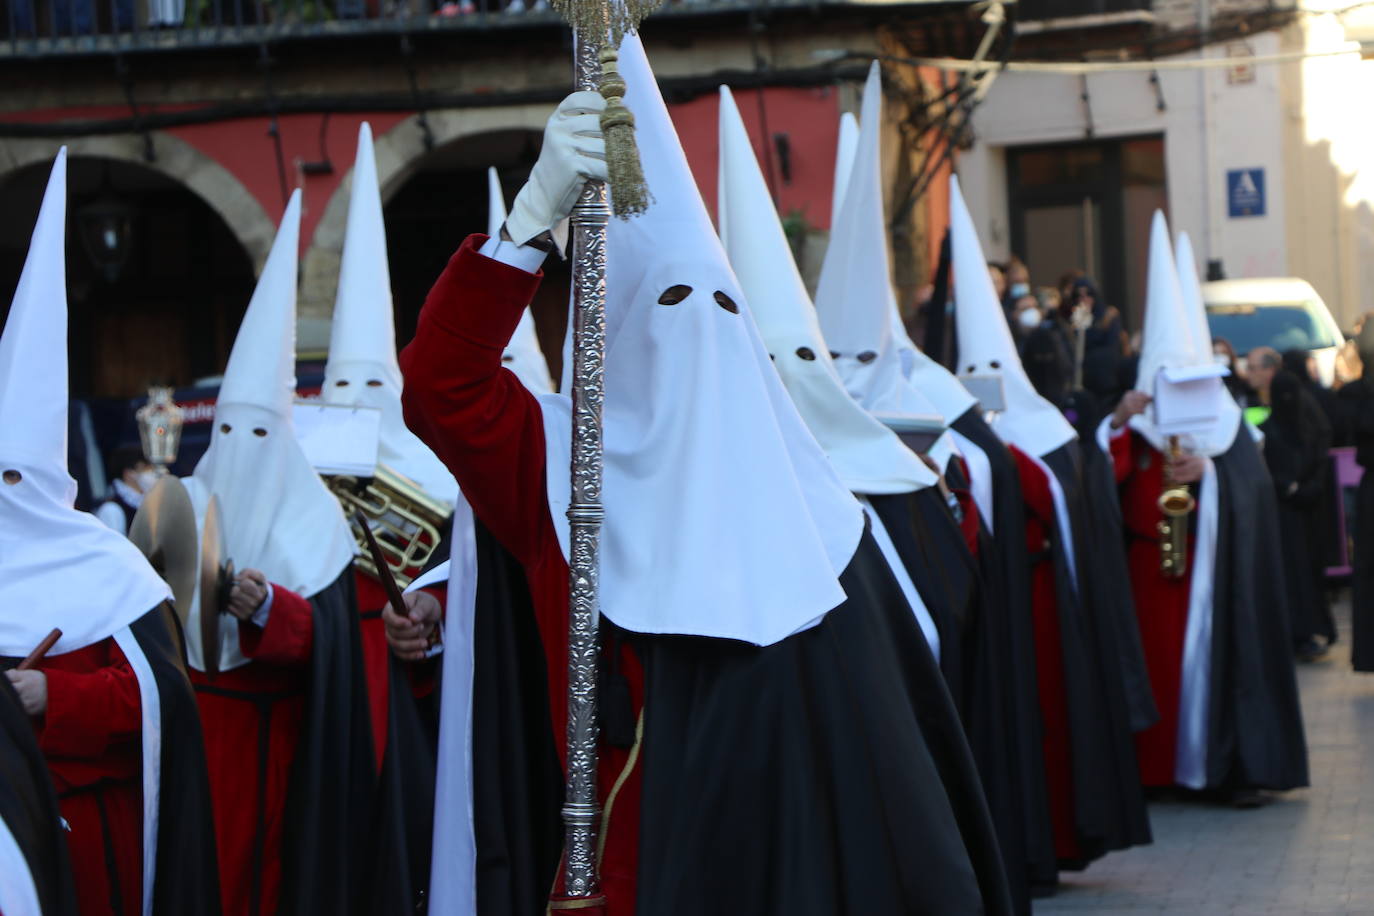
(106, 226)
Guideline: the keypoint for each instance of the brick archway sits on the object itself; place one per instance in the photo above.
(176, 159)
(400, 153)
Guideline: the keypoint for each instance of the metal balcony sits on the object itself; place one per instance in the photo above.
(57, 28)
(1081, 11)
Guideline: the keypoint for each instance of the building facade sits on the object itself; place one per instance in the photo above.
(189, 122)
(1260, 155)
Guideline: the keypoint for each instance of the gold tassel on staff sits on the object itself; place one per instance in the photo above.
(602, 24)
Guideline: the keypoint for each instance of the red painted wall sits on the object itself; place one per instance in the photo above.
(245, 148)
(809, 117)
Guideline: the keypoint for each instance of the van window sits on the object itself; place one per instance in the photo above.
(1284, 326)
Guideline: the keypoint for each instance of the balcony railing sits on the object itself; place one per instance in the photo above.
(75, 27)
(1042, 10)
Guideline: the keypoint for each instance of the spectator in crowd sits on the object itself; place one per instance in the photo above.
(999, 281)
(1236, 383)
(132, 478)
(1262, 364)
(1357, 396)
(1066, 282)
(1103, 342)
(1018, 283)
(1025, 317)
(1297, 437)
(1304, 369)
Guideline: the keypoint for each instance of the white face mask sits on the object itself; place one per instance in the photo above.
(1020, 289)
(1028, 319)
(145, 480)
(1222, 359)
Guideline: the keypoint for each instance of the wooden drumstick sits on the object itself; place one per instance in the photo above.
(40, 650)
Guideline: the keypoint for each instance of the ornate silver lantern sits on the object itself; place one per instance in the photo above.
(159, 428)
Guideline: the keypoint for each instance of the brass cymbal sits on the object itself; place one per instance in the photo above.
(216, 577)
(164, 529)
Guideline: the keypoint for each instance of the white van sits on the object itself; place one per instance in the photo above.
(1280, 312)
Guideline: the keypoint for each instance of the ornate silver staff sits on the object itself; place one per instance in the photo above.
(589, 219)
(597, 28)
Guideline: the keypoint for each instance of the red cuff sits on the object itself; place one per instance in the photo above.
(286, 638)
(503, 291)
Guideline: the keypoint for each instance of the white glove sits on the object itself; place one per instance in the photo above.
(574, 151)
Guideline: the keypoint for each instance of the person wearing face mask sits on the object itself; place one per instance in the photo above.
(738, 577)
(109, 705)
(1018, 284)
(1236, 383)
(133, 478)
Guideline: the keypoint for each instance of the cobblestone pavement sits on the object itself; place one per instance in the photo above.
(1310, 851)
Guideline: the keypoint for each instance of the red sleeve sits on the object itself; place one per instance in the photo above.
(1120, 444)
(90, 711)
(476, 415)
(286, 638)
(1035, 489)
(970, 524)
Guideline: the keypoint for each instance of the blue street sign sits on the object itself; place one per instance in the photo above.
(1245, 192)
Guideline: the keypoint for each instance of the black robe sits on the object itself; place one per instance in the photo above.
(840, 742)
(1297, 437)
(1008, 647)
(1255, 730)
(327, 850)
(1109, 578)
(947, 577)
(28, 809)
(1357, 400)
(1109, 803)
(517, 777)
(403, 804)
(187, 881)
(516, 773)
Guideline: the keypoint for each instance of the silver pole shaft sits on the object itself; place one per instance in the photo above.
(589, 219)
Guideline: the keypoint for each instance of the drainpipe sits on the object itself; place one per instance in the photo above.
(1211, 212)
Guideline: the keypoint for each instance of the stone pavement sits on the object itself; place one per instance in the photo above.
(1310, 851)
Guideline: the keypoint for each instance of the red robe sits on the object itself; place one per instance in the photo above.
(1161, 604)
(252, 719)
(1049, 659)
(488, 429)
(91, 736)
(376, 657)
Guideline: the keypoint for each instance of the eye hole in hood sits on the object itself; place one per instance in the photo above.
(675, 294)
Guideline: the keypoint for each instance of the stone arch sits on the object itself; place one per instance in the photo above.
(176, 159)
(400, 152)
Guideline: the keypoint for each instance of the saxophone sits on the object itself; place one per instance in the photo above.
(1176, 503)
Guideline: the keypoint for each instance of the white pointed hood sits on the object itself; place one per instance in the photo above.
(1176, 338)
(1029, 422)
(58, 567)
(522, 355)
(854, 298)
(868, 456)
(845, 147)
(362, 369)
(1185, 262)
(723, 516)
(277, 515)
